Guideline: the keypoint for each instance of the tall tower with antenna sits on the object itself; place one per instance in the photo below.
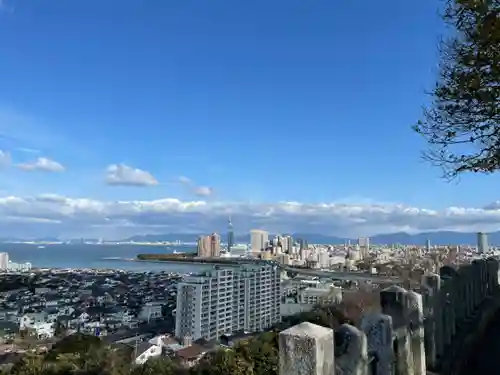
(230, 235)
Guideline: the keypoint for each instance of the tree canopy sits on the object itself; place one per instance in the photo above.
(462, 124)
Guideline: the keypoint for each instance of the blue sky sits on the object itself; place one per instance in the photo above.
(256, 102)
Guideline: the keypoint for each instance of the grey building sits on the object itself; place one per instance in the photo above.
(482, 243)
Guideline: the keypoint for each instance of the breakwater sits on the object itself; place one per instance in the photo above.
(188, 258)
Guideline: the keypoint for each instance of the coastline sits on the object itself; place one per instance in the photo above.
(178, 260)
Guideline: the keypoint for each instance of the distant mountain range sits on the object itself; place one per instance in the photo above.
(436, 238)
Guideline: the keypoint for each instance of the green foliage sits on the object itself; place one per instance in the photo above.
(77, 343)
(326, 316)
(262, 353)
(462, 125)
(224, 362)
(157, 366)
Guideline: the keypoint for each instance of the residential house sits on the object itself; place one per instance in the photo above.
(190, 355)
(9, 314)
(151, 311)
(145, 351)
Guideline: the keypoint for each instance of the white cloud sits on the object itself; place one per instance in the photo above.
(203, 191)
(200, 191)
(28, 150)
(5, 159)
(121, 174)
(55, 215)
(184, 180)
(42, 164)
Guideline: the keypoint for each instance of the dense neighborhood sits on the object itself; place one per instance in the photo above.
(120, 307)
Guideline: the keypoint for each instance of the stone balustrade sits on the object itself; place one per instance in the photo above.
(415, 331)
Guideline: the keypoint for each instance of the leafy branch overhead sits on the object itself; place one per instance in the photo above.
(462, 124)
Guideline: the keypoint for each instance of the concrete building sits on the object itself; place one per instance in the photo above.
(228, 299)
(364, 246)
(239, 250)
(214, 245)
(258, 240)
(4, 261)
(482, 243)
(315, 295)
(209, 246)
(204, 244)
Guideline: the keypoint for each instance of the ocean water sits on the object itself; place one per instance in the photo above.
(92, 256)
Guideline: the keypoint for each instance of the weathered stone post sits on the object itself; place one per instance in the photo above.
(352, 351)
(379, 334)
(468, 291)
(415, 314)
(476, 283)
(493, 276)
(307, 349)
(393, 301)
(483, 283)
(432, 327)
(460, 282)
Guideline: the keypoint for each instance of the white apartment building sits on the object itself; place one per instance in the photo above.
(228, 299)
(4, 261)
(321, 295)
(258, 240)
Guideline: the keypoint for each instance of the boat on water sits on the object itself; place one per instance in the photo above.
(41, 247)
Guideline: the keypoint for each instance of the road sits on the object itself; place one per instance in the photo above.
(354, 276)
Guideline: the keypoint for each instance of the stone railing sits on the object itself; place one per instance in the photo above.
(413, 332)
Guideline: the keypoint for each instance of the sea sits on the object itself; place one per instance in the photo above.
(82, 256)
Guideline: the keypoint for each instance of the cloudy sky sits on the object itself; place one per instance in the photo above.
(169, 116)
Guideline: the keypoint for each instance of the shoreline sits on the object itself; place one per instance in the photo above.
(198, 261)
(214, 261)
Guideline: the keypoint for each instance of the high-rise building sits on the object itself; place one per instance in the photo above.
(482, 243)
(228, 299)
(204, 246)
(303, 245)
(230, 235)
(214, 245)
(209, 246)
(364, 246)
(4, 261)
(258, 240)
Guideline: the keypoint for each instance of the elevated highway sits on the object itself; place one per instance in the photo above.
(338, 275)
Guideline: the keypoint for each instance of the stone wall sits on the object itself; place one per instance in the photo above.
(416, 331)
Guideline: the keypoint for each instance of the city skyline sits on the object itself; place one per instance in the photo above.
(177, 119)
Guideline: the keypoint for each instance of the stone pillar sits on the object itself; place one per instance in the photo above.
(415, 314)
(460, 296)
(307, 349)
(432, 282)
(468, 291)
(439, 311)
(351, 350)
(483, 286)
(393, 301)
(379, 335)
(493, 275)
(446, 316)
